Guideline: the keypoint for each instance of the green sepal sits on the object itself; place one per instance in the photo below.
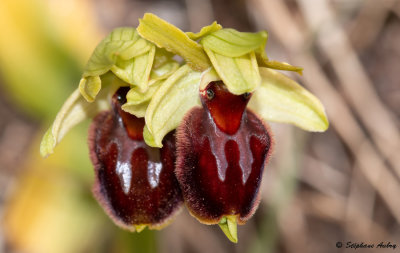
(281, 99)
(228, 225)
(135, 71)
(231, 43)
(204, 31)
(176, 95)
(167, 36)
(239, 74)
(126, 54)
(123, 43)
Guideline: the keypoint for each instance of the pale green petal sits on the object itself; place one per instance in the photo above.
(178, 94)
(205, 31)
(240, 74)
(167, 36)
(228, 225)
(231, 43)
(281, 99)
(136, 71)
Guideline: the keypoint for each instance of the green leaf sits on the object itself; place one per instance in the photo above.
(167, 36)
(178, 94)
(75, 110)
(205, 31)
(281, 99)
(229, 227)
(231, 43)
(240, 74)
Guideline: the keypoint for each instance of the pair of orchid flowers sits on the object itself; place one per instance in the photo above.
(178, 118)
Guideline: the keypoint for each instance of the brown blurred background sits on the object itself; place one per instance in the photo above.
(319, 188)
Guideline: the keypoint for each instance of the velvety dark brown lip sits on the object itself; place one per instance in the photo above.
(221, 160)
(134, 183)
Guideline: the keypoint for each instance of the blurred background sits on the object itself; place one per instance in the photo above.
(318, 189)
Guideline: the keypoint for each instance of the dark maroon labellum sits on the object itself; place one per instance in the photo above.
(222, 151)
(134, 183)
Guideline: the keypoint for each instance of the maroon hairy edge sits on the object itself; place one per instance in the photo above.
(184, 143)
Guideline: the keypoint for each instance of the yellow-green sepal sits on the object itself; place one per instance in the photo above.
(281, 99)
(204, 31)
(231, 43)
(176, 95)
(228, 225)
(76, 109)
(239, 74)
(263, 61)
(168, 36)
(136, 71)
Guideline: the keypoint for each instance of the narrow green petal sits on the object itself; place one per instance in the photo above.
(178, 94)
(205, 31)
(281, 99)
(89, 87)
(240, 74)
(229, 226)
(280, 66)
(167, 36)
(231, 43)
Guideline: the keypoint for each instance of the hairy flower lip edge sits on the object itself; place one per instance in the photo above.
(104, 202)
(179, 162)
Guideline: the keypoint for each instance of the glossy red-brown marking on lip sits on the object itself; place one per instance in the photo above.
(220, 173)
(134, 183)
